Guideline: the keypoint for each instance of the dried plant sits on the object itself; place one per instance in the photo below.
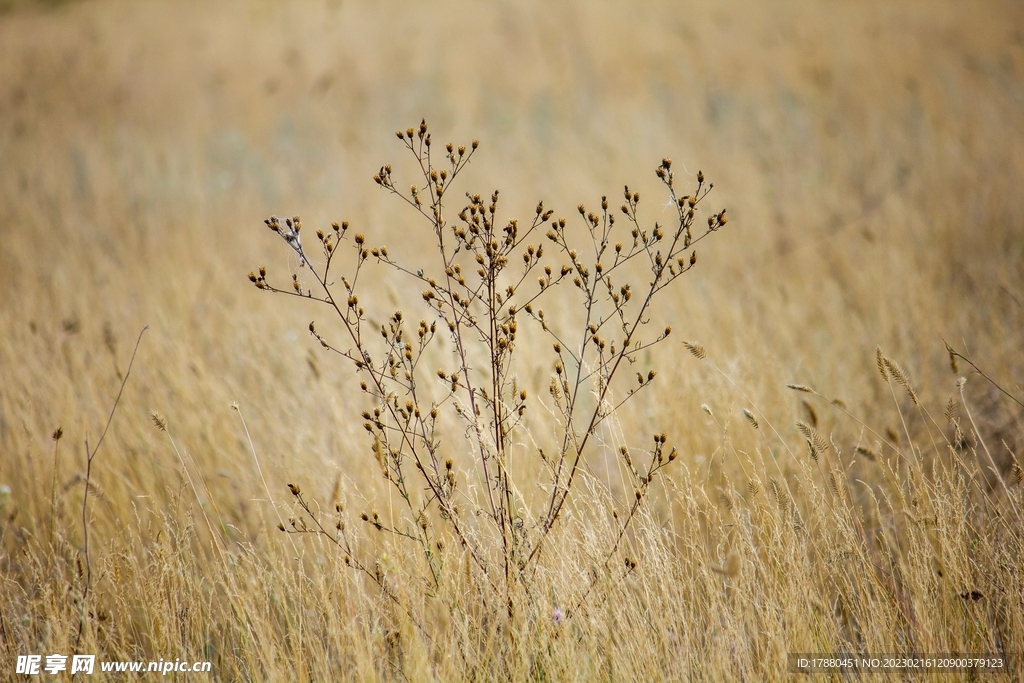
(883, 213)
(487, 278)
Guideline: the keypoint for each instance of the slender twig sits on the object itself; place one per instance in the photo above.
(957, 354)
(90, 455)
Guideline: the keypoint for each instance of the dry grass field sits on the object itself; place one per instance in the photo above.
(871, 159)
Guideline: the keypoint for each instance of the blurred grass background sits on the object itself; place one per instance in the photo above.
(870, 155)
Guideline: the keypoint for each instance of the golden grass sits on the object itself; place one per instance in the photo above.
(870, 156)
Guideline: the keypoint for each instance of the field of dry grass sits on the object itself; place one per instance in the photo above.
(870, 155)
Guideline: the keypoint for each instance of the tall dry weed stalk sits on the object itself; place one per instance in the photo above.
(487, 279)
